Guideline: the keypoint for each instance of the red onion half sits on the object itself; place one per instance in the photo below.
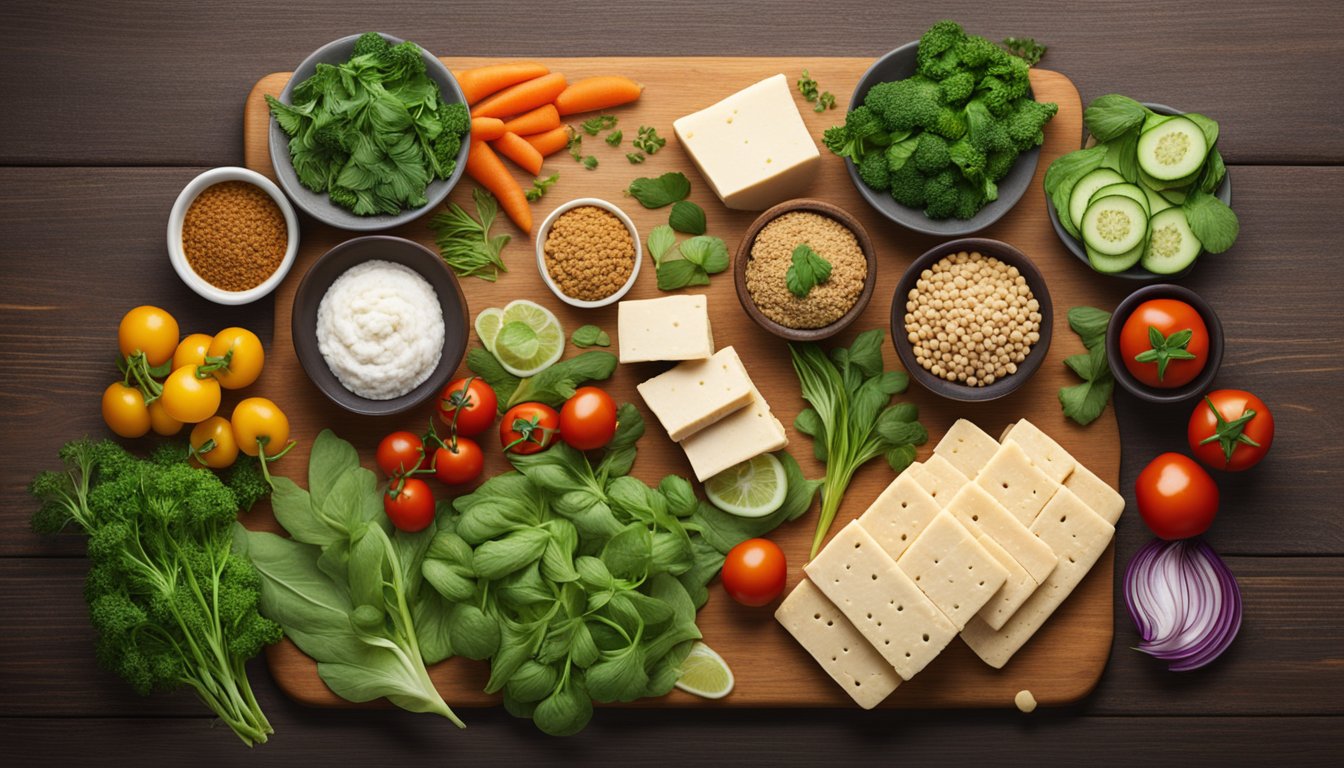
(1184, 601)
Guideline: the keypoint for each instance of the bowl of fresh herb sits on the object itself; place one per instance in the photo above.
(370, 132)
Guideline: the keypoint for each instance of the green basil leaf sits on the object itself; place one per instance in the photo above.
(590, 336)
(661, 242)
(675, 274)
(1090, 324)
(900, 457)
(680, 495)
(583, 653)
(557, 559)
(331, 457)
(532, 682)
(557, 384)
(660, 191)
(628, 553)
(565, 712)
(709, 253)
(484, 364)
(448, 581)
(618, 676)
(687, 217)
(1214, 223)
(1112, 115)
(807, 270)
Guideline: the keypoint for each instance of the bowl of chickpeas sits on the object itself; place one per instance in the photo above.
(971, 319)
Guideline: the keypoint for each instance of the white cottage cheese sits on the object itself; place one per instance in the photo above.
(380, 329)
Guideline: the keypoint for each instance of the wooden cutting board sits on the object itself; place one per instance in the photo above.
(1066, 658)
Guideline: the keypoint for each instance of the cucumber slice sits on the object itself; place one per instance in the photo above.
(1159, 184)
(1175, 196)
(1156, 202)
(1110, 265)
(1114, 225)
(1171, 245)
(1083, 189)
(1173, 149)
(1132, 191)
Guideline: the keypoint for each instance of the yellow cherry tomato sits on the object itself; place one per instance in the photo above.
(245, 362)
(213, 443)
(258, 422)
(161, 422)
(149, 330)
(124, 410)
(191, 350)
(188, 398)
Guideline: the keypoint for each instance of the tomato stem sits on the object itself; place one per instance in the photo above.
(1229, 433)
(1166, 348)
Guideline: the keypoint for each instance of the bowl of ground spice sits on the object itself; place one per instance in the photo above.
(805, 270)
(232, 235)
(971, 319)
(588, 253)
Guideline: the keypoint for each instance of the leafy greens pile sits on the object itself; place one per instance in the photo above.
(373, 132)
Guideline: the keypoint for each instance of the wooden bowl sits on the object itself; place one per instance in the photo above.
(953, 390)
(1125, 379)
(744, 255)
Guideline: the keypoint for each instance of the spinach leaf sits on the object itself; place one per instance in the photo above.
(687, 217)
(1113, 115)
(590, 336)
(1212, 221)
(557, 384)
(484, 365)
(1085, 402)
(663, 190)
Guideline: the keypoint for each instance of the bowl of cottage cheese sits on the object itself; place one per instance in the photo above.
(379, 324)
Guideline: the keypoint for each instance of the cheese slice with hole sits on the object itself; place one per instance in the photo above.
(669, 328)
(1048, 455)
(967, 447)
(741, 435)
(939, 478)
(1016, 483)
(1096, 493)
(837, 646)
(1014, 591)
(952, 569)
(979, 512)
(697, 393)
(898, 515)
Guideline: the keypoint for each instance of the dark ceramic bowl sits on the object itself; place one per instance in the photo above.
(1224, 193)
(333, 264)
(743, 256)
(1116, 361)
(950, 389)
(898, 65)
(319, 206)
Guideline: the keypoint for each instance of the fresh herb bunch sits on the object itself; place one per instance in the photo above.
(1085, 402)
(373, 132)
(465, 242)
(172, 603)
(690, 262)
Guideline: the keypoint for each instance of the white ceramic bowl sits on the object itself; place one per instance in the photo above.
(179, 258)
(541, 252)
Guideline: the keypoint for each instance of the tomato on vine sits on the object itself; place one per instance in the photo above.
(528, 428)
(588, 419)
(148, 331)
(468, 406)
(401, 453)
(235, 357)
(124, 410)
(409, 504)
(190, 396)
(213, 444)
(261, 427)
(459, 461)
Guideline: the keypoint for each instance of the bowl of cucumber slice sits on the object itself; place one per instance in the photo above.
(1140, 230)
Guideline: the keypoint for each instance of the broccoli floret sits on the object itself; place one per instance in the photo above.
(248, 483)
(455, 117)
(1026, 124)
(940, 195)
(958, 87)
(999, 164)
(931, 154)
(403, 60)
(901, 105)
(861, 133)
(371, 44)
(873, 171)
(975, 52)
(907, 186)
(969, 201)
(937, 56)
(986, 132)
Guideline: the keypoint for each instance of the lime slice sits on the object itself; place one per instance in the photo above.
(529, 339)
(488, 323)
(705, 673)
(754, 488)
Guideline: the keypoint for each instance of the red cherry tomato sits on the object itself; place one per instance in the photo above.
(528, 428)
(401, 452)
(456, 464)
(754, 572)
(473, 403)
(588, 419)
(1231, 430)
(1177, 498)
(410, 507)
(1152, 346)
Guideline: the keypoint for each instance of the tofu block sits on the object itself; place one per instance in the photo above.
(1014, 592)
(1078, 537)
(884, 604)
(1016, 483)
(741, 435)
(1044, 452)
(670, 328)
(697, 393)
(898, 515)
(967, 447)
(952, 569)
(838, 647)
(1096, 493)
(981, 514)
(939, 478)
(752, 147)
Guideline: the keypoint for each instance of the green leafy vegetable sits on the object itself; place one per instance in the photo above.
(824, 102)
(540, 186)
(807, 87)
(465, 242)
(1085, 402)
(595, 125)
(614, 138)
(1025, 48)
(1064, 173)
(484, 364)
(635, 158)
(688, 218)
(807, 271)
(662, 240)
(701, 257)
(660, 191)
(648, 141)
(1111, 116)
(590, 336)
(590, 163)
(1211, 220)
(553, 386)
(575, 145)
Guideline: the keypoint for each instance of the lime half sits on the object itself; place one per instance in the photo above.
(488, 323)
(705, 673)
(754, 488)
(529, 338)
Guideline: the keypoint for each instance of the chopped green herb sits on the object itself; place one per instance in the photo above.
(575, 145)
(687, 217)
(635, 158)
(614, 138)
(590, 336)
(590, 162)
(648, 140)
(595, 125)
(824, 102)
(1025, 48)
(808, 87)
(539, 187)
(465, 243)
(807, 271)
(663, 190)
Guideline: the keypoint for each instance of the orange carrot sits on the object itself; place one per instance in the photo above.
(550, 142)
(512, 146)
(488, 170)
(480, 82)
(594, 93)
(522, 97)
(486, 128)
(539, 120)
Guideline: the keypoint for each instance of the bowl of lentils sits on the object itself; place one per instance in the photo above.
(805, 270)
(588, 253)
(971, 319)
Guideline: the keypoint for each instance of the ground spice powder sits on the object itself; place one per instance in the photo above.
(589, 253)
(234, 235)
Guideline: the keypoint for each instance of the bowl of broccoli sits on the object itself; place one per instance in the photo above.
(370, 132)
(943, 135)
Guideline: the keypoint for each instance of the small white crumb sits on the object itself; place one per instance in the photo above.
(1025, 701)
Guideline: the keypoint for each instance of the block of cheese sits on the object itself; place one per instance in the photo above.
(838, 647)
(952, 569)
(967, 447)
(670, 328)
(741, 435)
(1096, 493)
(898, 515)
(1014, 591)
(1015, 482)
(884, 604)
(752, 147)
(697, 393)
(979, 512)
(1078, 537)
(1044, 452)
(939, 478)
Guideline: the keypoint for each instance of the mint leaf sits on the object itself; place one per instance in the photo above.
(663, 190)
(687, 217)
(590, 336)
(680, 273)
(707, 252)
(661, 242)
(807, 271)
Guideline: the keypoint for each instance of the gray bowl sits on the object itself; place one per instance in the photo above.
(319, 206)
(898, 65)
(1201, 383)
(1224, 193)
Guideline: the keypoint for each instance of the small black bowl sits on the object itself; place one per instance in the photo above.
(333, 264)
(953, 390)
(1116, 360)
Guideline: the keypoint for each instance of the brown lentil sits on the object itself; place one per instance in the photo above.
(234, 235)
(589, 253)
(772, 255)
(972, 319)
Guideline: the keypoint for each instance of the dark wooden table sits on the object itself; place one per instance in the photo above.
(108, 108)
